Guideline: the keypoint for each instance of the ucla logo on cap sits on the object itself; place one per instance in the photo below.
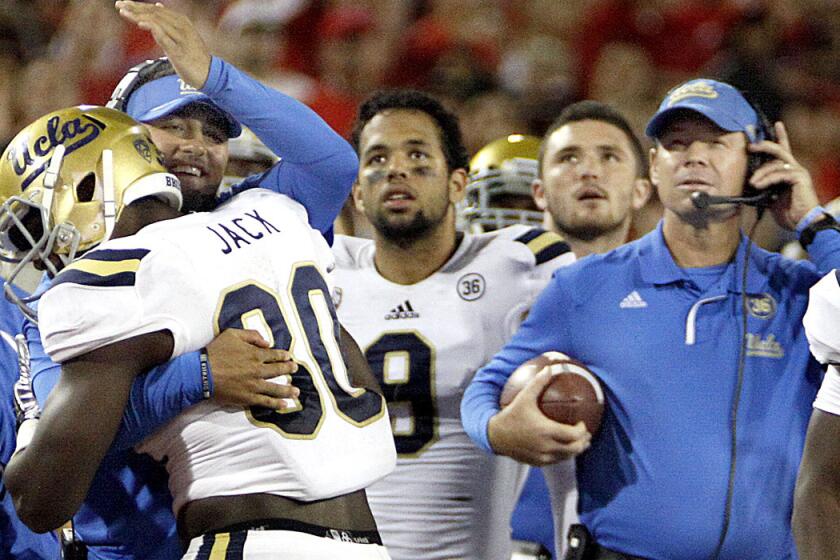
(186, 89)
(693, 89)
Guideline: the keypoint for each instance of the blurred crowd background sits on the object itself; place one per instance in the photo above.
(504, 65)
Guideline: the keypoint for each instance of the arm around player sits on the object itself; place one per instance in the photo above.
(240, 365)
(99, 380)
(69, 439)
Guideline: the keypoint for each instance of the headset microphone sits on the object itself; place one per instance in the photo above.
(764, 199)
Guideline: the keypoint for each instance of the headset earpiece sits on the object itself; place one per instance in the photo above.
(755, 159)
(765, 132)
(133, 79)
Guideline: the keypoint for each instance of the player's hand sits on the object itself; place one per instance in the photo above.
(241, 363)
(523, 432)
(793, 205)
(26, 406)
(175, 34)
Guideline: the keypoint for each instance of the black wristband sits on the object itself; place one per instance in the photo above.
(826, 222)
(204, 362)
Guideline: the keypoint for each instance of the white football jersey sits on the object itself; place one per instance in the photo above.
(821, 320)
(424, 342)
(252, 263)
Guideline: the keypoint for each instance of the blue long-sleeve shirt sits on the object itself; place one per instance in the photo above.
(16, 540)
(654, 482)
(127, 512)
(317, 166)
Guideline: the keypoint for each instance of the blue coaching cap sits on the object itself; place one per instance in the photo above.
(168, 94)
(719, 102)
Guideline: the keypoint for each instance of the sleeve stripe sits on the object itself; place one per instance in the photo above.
(545, 245)
(116, 254)
(530, 235)
(554, 250)
(103, 268)
(544, 240)
(88, 279)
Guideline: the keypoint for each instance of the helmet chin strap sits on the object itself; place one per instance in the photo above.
(109, 204)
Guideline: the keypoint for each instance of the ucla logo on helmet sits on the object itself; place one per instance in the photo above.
(72, 133)
(143, 149)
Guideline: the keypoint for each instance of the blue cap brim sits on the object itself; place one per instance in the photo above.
(163, 97)
(719, 102)
(232, 127)
(723, 120)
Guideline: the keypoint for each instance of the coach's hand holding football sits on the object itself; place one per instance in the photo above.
(521, 431)
(176, 35)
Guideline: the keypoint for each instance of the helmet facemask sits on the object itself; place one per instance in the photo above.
(26, 237)
(48, 221)
(499, 185)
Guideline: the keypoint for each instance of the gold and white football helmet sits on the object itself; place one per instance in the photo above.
(65, 179)
(499, 185)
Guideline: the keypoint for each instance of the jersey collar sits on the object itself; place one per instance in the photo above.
(657, 265)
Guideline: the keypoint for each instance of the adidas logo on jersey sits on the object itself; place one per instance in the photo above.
(632, 301)
(402, 311)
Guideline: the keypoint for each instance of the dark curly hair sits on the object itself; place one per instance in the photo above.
(412, 100)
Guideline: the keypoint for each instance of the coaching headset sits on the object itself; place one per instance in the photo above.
(731, 110)
(760, 199)
(133, 79)
(168, 94)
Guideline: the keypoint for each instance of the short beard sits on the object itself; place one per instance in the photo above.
(585, 232)
(403, 235)
(198, 201)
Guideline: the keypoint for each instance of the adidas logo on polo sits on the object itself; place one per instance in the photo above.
(632, 301)
(403, 311)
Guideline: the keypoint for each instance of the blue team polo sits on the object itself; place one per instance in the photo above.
(654, 482)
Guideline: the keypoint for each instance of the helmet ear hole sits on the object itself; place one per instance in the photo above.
(86, 188)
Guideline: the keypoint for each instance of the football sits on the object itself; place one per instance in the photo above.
(573, 394)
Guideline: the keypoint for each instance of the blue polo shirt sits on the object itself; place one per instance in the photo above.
(654, 482)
